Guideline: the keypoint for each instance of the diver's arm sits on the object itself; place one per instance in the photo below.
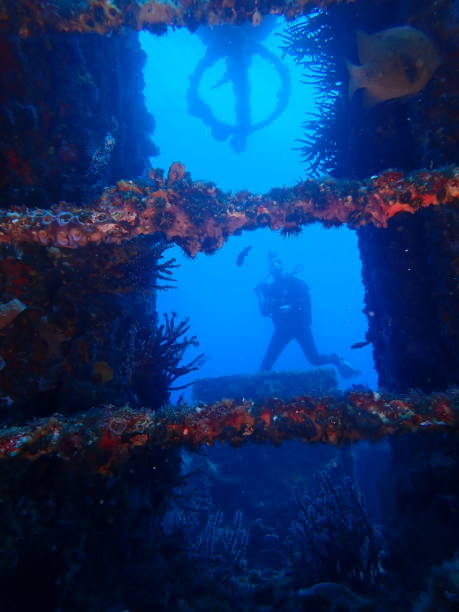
(303, 300)
(264, 303)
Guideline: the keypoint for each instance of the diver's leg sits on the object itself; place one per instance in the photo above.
(305, 339)
(279, 341)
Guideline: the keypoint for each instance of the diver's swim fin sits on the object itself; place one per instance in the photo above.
(345, 368)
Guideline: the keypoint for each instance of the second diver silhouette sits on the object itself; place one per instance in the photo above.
(236, 45)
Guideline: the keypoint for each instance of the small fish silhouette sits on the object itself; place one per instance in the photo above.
(358, 345)
(397, 62)
(242, 255)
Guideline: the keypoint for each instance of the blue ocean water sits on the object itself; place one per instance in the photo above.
(216, 295)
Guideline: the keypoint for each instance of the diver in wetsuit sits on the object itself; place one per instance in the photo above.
(287, 301)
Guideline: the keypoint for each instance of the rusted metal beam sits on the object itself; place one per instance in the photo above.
(28, 17)
(103, 438)
(200, 217)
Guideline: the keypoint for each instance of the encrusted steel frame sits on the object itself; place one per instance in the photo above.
(104, 16)
(104, 437)
(199, 217)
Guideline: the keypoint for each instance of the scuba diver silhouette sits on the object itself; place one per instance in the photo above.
(287, 301)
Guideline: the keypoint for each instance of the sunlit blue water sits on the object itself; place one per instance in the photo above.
(212, 291)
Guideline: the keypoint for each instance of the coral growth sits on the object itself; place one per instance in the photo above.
(333, 524)
(89, 334)
(317, 43)
(199, 217)
(82, 540)
(218, 550)
(104, 437)
(158, 359)
(105, 16)
(67, 128)
(411, 133)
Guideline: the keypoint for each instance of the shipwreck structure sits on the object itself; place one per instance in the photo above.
(85, 223)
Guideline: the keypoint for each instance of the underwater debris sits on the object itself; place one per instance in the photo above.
(397, 62)
(104, 437)
(199, 217)
(9, 311)
(105, 16)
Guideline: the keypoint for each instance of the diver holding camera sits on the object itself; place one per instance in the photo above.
(287, 301)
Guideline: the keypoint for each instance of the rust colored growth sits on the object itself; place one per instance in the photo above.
(199, 217)
(175, 173)
(104, 16)
(16, 277)
(102, 372)
(228, 420)
(100, 438)
(105, 437)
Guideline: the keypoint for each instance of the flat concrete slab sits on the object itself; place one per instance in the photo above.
(284, 385)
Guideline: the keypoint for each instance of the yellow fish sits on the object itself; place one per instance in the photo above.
(397, 62)
(102, 372)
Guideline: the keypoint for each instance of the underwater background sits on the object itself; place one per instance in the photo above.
(213, 292)
(162, 166)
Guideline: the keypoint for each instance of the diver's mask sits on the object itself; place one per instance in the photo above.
(275, 265)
